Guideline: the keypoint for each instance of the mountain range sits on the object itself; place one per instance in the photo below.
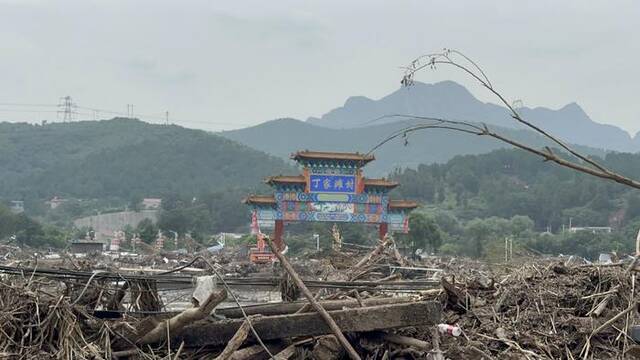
(126, 157)
(451, 100)
(358, 126)
(283, 136)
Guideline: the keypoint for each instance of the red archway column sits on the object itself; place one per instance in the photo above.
(277, 236)
(383, 229)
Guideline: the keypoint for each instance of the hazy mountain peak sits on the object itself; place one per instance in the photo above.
(574, 108)
(358, 101)
(448, 99)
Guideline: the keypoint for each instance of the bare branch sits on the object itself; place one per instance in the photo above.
(585, 164)
(478, 74)
(546, 153)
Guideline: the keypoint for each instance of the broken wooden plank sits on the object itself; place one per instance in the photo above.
(337, 331)
(311, 324)
(269, 309)
(292, 307)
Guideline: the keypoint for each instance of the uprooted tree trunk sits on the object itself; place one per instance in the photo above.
(178, 322)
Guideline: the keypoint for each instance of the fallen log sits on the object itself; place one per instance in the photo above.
(235, 342)
(275, 308)
(330, 322)
(371, 318)
(256, 352)
(247, 353)
(292, 307)
(286, 354)
(408, 341)
(178, 322)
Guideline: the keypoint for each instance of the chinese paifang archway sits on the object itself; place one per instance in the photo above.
(331, 188)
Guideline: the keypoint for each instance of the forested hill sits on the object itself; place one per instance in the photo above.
(283, 136)
(505, 183)
(123, 158)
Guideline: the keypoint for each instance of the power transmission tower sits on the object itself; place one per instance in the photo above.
(67, 108)
(130, 111)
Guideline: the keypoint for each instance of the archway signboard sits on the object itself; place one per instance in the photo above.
(331, 188)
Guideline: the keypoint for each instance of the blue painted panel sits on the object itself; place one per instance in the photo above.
(382, 199)
(333, 183)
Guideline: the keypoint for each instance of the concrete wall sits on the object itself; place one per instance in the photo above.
(105, 224)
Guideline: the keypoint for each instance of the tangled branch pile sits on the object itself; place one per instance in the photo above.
(549, 312)
(38, 325)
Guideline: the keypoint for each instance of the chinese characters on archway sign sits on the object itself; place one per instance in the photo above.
(333, 183)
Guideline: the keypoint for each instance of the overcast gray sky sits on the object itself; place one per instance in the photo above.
(228, 64)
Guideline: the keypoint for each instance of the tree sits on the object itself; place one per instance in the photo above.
(584, 216)
(521, 225)
(633, 207)
(147, 230)
(477, 231)
(423, 232)
(135, 202)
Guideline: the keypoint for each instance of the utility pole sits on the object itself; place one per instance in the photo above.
(67, 108)
(166, 117)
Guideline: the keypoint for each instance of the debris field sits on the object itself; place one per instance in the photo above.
(356, 302)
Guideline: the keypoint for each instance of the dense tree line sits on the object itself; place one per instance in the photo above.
(472, 203)
(505, 183)
(19, 229)
(440, 231)
(205, 214)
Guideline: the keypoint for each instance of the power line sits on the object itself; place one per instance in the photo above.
(29, 111)
(28, 105)
(67, 107)
(69, 111)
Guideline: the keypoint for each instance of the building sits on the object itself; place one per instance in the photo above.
(55, 202)
(331, 188)
(83, 246)
(17, 206)
(151, 203)
(591, 229)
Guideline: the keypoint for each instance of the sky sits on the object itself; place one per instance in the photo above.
(220, 65)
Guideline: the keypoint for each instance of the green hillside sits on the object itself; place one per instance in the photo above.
(475, 201)
(284, 136)
(125, 159)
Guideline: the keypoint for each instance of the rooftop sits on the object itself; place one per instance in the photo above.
(402, 204)
(380, 182)
(325, 155)
(260, 199)
(295, 179)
